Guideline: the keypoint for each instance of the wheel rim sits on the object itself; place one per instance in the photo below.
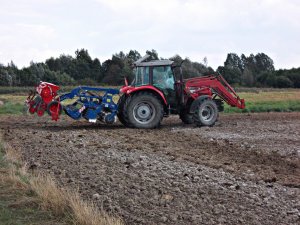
(144, 112)
(207, 113)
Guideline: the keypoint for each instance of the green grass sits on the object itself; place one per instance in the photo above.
(21, 215)
(2, 152)
(14, 90)
(13, 104)
(280, 100)
(267, 106)
(11, 108)
(20, 207)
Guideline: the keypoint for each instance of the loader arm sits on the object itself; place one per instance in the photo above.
(219, 86)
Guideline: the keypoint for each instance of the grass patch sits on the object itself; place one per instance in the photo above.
(266, 106)
(275, 95)
(282, 100)
(36, 199)
(12, 108)
(12, 104)
(14, 90)
(2, 152)
(18, 204)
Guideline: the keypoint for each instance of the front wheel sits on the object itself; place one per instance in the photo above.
(143, 110)
(206, 113)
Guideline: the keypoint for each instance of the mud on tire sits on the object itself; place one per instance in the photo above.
(143, 110)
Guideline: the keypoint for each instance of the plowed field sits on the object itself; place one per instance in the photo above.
(244, 170)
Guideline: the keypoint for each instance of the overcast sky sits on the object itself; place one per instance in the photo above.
(34, 30)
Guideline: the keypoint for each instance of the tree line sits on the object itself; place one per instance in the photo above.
(249, 71)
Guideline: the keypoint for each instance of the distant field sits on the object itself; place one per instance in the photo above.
(11, 104)
(257, 100)
(281, 100)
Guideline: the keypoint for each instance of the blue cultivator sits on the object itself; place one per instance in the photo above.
(91, 104)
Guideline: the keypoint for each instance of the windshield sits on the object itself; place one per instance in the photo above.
(163, 77)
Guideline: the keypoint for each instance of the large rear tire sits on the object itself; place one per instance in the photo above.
(206, 113)
(120, 114)
(143, 110)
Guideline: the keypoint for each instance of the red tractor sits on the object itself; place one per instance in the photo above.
(155, 92)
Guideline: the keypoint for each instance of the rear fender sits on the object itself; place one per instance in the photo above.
(133, 90)
(197, 101)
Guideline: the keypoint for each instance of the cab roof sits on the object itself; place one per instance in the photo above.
(155, 63)
(142, 62)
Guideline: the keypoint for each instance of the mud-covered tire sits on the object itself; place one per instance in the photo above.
(186, 117)
(120, 113)
(143, 110)
(206, 113)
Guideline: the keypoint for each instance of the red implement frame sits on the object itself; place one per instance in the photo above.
(39, 101)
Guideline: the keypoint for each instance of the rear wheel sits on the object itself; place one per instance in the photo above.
(206, 113)
(143, 110)
(120, 113)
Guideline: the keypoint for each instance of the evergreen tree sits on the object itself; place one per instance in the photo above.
(153, 54)
(253, 70)
(247, 78)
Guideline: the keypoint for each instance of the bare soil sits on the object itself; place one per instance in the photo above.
(244, 170)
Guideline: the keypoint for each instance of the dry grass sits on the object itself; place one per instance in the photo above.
(69, 203)
(86, 213)
(63, 203)
(11, 154)
(52, 198)
(13, 98)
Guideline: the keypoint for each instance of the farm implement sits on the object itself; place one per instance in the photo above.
(88, 102)
(155, 92)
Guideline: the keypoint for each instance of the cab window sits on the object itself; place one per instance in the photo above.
(163, 77)
(142, 76)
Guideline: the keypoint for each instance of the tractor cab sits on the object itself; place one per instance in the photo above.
(159, 74)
